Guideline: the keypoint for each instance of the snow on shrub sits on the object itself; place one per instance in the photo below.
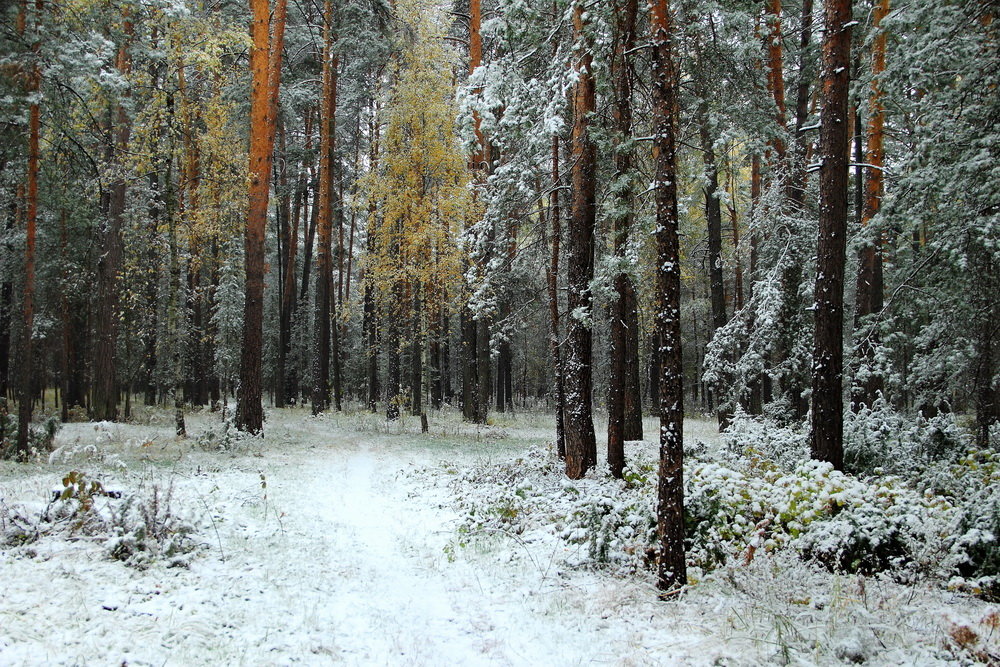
(879, 439)
(40, 437)
(840, 521)
(136, 528)
(749, 437)
(732, 513)
(975, 553)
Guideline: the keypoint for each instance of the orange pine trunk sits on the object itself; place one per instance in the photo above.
(578, 422)
(265, 68)
(324, 223)
(870, 281)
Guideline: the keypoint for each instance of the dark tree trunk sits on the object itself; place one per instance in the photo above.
(475, 368)
(505, 361)
(483, 370)
(27, 299)
(446, 386)
(470, 367)
(371, 337)
(104, 403)
(671, 570)
(287, 230)
(66, 351)
(370, 322)
(755, 387)
(6, 317)
(828, 343)
(416, 356)
(336, 299)
(626, 11)
(552, 280)
(434, 353)
(156, 207)
(632, 429)
(307, 251)
(211, 331)
(393, 380)
(370, 326)
(713, 216)
(581, 446)
(986, 326)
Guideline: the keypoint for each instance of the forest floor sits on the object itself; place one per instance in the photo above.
(333, 540)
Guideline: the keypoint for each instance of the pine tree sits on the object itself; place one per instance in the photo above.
(581, 446)
(827, 433)
(267, 35)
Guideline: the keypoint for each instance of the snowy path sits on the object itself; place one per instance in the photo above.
(341, 559)
(391, 595)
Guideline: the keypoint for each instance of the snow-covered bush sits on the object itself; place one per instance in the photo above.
(751, 437)
(880, 439)
(146, 528)
(136, 528)
(975, 552)
(39, 437)
(840, 521)
(618, 528)
(733, 512)
(222, 437)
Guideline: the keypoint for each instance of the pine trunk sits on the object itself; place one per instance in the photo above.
(6, 315)
(473, 351)
(324, 222)
(713, 216)
(552, 281)
(581, 446)
(265, 66)
(671, 570)
(618, 348)
(869, 293)
(828, 342)
(104, 402)
(25, 393)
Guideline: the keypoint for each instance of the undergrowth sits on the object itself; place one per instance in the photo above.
(137, 528)
(759, 496)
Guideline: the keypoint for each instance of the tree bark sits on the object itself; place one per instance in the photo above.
(473, 329)
(265, 65)
(986, 325)
(828, 344)
(104, 402)
(671, 570)
(776, 75)
(324, 224)
(370, 323)
(416, 354)
(6, 308)
(552, 282)
(621, 317)
(25, 394)
(581, 446)
(713, 217)
(869, 293)
(633, 386)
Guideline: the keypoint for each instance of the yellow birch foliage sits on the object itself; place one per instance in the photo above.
(422, 184)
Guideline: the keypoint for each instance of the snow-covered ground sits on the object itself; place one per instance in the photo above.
(333, 540)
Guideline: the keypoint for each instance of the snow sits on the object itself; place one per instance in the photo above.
(332, 540)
